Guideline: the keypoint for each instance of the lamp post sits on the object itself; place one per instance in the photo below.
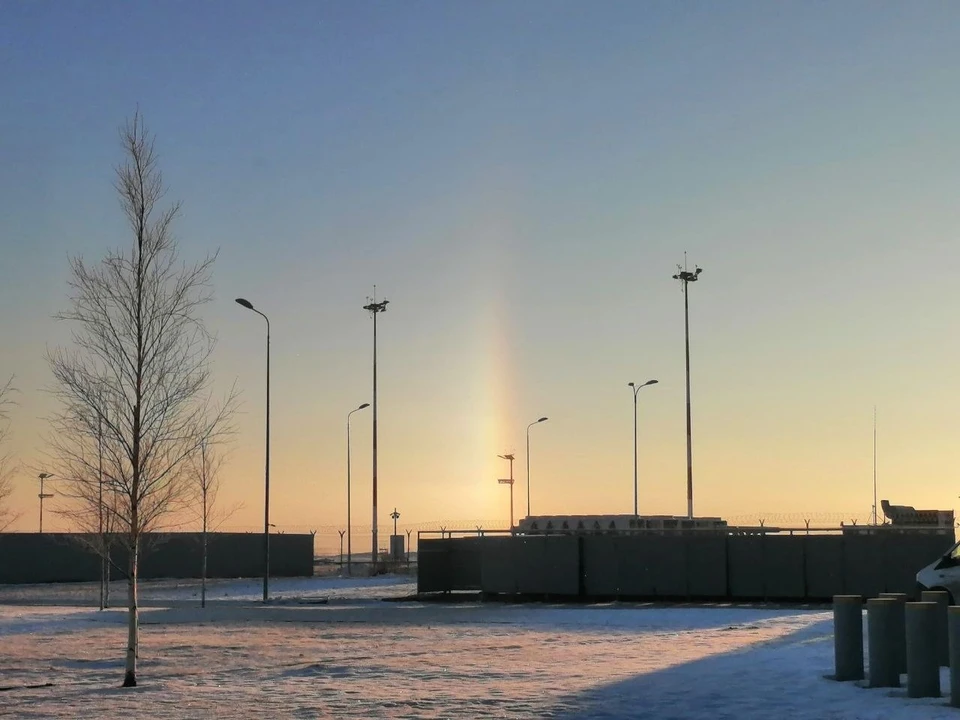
(375, 308)
(266, 473)
(636, 389)
(43, 476)
(685, 277)
(349, 545)
(393, 556)
(509, 481)
(100, 507)
(543, 419)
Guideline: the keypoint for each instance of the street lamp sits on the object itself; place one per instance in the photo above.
(543, 419)
(636, 389)
(43, 476)
(375, 308)
(509, 481)
(266, 474)
(349, 546)
(685, 277)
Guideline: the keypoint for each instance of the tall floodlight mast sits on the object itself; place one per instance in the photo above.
(686, 277)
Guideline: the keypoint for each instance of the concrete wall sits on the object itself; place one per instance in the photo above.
(433, 566)
(57, 557)
(739, 567)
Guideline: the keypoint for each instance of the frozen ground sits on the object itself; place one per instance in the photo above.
(359, 657)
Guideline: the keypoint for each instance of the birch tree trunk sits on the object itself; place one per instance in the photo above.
(133, 619)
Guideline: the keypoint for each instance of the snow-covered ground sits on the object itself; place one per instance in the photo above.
(356, 656)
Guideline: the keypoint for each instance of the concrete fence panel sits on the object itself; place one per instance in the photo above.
(783, 567)
(706, 557)
(498, 565)
(746, 563)
(823, 566)
(433, 560)
(863, 564)
(600, 575)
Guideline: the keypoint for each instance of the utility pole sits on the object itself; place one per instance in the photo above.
(43, 496)
(686, 277)
(375, 308)
(509, 481)
(874, 464)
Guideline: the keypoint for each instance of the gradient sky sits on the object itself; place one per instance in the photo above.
(520, 181)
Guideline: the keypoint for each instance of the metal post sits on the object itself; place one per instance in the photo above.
(942, 600)
(341, 548)
(954, 630)
(900, 631)
(923, 667)
(875, 509)
(509, 481)
(882, 626)
(349, 534)
(266, 485)
(393, 556)
(100, 504)
(848, 637)
(349, 544)
(266, 472)
(528, 470)
(685, 277)
(636, 389)
(375, 549)
(528, 460)
(635, 489)
(375, 308)
(686, 333)
(409, 532)
(43, 476)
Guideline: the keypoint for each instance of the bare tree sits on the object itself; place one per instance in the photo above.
(135, 386)
(7, 515)
(206, 465)
(94, 510)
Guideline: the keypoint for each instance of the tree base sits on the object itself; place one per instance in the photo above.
(130, 680)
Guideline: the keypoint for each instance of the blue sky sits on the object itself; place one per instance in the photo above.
(520, 179)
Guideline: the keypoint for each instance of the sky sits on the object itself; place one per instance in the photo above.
(520, 181)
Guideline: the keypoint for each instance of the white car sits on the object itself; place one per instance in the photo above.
(943, 574)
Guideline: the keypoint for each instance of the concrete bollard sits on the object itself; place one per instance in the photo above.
(954, 627)
(942, 599)
(923, 666)
(848, 637)
(901, 628)
(882, 624)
